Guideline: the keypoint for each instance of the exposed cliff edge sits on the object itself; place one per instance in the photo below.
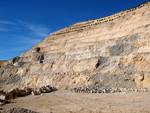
(113, 51)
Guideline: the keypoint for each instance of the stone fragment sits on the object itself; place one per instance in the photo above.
(22, 92)
(35, 93)
(13, 94)
(2, 97)
(28, 90)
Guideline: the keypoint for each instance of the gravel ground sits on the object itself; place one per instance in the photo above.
(17, 110)
(66, 101)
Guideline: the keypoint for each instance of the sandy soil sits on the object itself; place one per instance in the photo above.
(65, 101)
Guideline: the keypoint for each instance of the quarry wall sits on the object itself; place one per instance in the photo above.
(112, 53)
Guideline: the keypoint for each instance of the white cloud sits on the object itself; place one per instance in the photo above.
(6, 22)
(20, 44)
(2, 29)
(20, 48)
(29, 41)
(37, 29)
(33, 41)
(27, 37)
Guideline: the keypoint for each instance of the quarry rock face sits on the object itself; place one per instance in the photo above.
(112, 51)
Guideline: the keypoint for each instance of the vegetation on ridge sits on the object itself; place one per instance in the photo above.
(89, 23)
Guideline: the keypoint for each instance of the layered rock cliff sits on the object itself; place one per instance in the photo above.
(112, 51)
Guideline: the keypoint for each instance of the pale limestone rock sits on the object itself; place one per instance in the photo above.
(146, 81)
(89, 64)
(35, 93)
(2, 97)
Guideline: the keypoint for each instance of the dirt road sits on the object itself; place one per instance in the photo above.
(65, 101)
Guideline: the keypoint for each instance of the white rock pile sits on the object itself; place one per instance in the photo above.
(99, 89)
(44, 89)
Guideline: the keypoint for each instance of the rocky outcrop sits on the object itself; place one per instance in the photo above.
(5, 97)
(111, 54)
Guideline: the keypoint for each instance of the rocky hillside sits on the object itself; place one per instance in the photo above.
(111, 51)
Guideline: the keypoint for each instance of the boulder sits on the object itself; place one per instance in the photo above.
(35, 92)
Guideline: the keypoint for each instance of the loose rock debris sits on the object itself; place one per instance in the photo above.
(99, 89)
(14, 93)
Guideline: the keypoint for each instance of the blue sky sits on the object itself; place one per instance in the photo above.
(24, 23)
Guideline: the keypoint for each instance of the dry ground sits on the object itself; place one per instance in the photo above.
(65, 101)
